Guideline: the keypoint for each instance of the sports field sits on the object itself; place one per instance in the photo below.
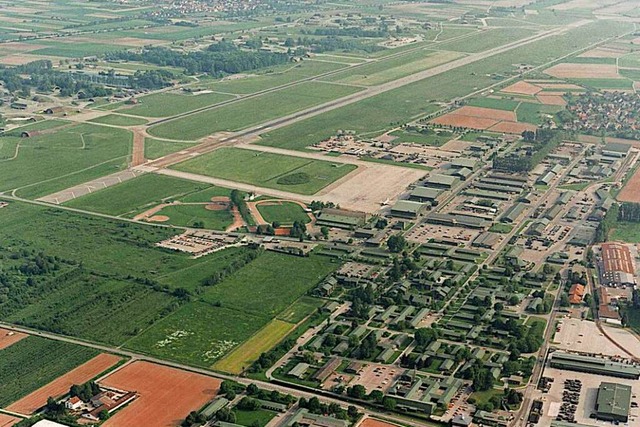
(250, 112)
(34, 362)
(197, 216)
(294, 174)
(284, 213)
(248, 352)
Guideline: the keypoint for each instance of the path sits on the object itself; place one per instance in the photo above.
(137, 154)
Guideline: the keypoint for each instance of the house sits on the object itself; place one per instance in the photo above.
(74, 403)
(576, 293)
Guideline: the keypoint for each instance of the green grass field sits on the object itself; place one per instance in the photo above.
(487, 39)
(198, 334)
(535, 113)
(117, 120)
(269, 284)
(626, 232)
(197, 216)
(67, 157)
(267, 169)
(248, 352)
(250, 112)
(259, 418)
(285, 213)
(436, 139)
(495, 103)
(300, 309)
(133, 196)
(34, 362)
(155, 148)
(169, 104)
(76, 50)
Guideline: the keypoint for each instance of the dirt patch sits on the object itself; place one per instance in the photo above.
(20, 59)
(584, 71)
(238, 221)
(456, 146)
(552, 100)
(167, 395)
(603, 52)
(8, 338)
(631, 191)
(7, 420)
(80, 375)
(512, 127)
(158, 218)
(372, 422)
(522, 88)
(137, 156)
(558, 86)
(216, 206)
(457, 120)
(486, 113)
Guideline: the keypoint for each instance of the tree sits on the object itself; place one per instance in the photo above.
(252, 389)
(377, 396)
(389, 403)
(357, 391)
(325, 232)
(396, 243)
(425, 336)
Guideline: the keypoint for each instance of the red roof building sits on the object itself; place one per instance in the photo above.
(576, 293)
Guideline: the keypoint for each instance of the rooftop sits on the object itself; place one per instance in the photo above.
(613, 399)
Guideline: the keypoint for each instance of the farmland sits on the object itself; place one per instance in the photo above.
(246, 113)
(250, 350)
(155, 407)
(60, 386)
(118, 120)
(33, 362)
(267, 169)
(155, 148)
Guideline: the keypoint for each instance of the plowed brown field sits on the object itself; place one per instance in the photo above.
(8, 338)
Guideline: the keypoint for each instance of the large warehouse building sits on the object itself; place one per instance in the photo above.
(612, 403)
(616, 265)
(593, 365)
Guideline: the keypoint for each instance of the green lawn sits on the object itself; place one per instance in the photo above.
(34, 362)
(117, 120)
(295, 174)
(626, 231)
(429, 137)
(76, 50)
(495, 103)
(135, 195)
(285, 213)
(67, 157)
(169, 104)
(250, 112)
(300, 309)
(259, 418)
(501, 228)
(535, 113)
(155, 148)
(197, 216)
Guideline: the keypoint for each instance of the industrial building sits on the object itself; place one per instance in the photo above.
(593, 365)
(616, 265)
(407, 209)
(613, 401)
(445, 182)
(424, 194)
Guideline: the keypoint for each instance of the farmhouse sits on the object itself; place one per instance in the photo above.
(613, 402)
(616, 265)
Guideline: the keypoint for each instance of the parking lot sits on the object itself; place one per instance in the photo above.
(377, 377)
(585, 398)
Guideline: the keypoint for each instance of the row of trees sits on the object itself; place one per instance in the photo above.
(219, 59)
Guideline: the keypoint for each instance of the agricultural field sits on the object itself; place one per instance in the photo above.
(246, 113)
(155, 407)
(248, 352)
(285, 213)
(133, 196)
(68, 155)
(240, 305)
(34, 362)
(167, 104)
(294, 174)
